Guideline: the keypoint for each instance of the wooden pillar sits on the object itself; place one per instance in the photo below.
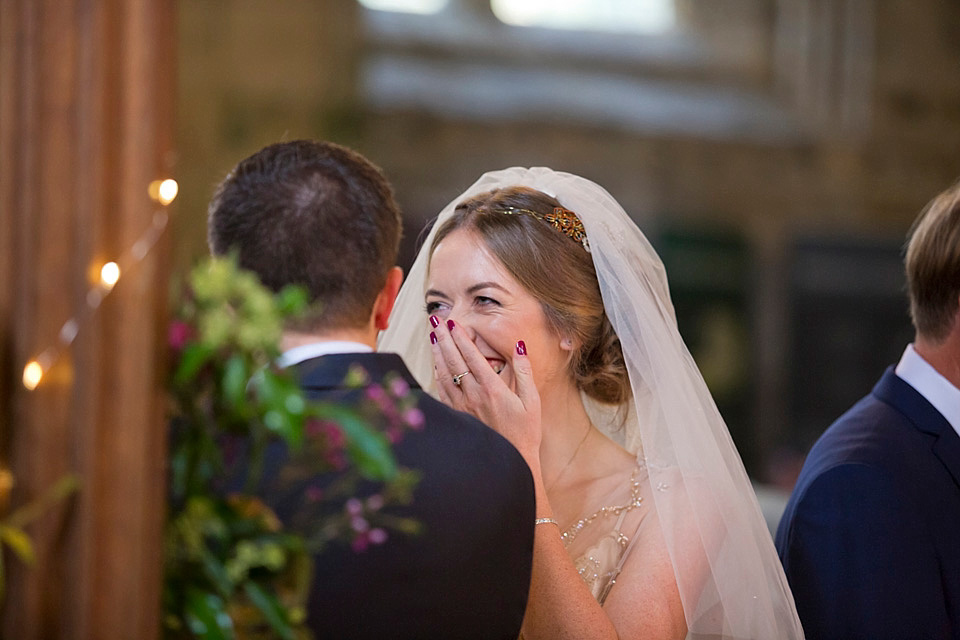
(86, 123)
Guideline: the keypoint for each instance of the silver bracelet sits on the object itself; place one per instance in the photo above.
(545, 521)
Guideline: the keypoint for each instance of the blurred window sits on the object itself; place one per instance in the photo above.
(423, 7)
(620, 16)
(741, 69)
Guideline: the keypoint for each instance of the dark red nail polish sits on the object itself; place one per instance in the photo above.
(521, 348)
(450, 325)
(434, 321)
(433, 338)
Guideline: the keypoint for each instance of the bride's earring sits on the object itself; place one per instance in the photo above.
(566, 344)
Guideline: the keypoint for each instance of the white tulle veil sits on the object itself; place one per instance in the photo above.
(730, 579)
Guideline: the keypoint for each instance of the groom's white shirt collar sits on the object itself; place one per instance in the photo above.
(938, 391)
(297, 355)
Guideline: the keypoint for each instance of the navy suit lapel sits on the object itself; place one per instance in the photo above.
(908, 401)
(947, 449)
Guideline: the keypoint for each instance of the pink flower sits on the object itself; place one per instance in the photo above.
(336, 460)
(179, 334)
(363, 540)
(399, 387)
(414, 418)
(332, 441)
(360, 525)
(360, 543)
(314, 494)
(314, 427)
(334, 435)
(376, 393)
(353, 506)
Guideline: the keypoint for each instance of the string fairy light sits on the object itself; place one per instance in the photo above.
(109, 274)
(162, 192)
(32, 374)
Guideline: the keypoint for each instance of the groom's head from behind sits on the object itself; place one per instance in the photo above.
(315, 214)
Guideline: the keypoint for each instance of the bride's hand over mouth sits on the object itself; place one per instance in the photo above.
(466, 381)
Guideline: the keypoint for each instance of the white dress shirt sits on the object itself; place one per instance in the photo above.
(297, 355)
(938, 391)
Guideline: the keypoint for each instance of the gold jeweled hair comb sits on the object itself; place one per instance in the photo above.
(563, 220)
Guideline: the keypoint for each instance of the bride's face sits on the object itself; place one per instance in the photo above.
(468, 284)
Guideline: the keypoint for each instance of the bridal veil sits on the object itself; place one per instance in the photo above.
(727, 570)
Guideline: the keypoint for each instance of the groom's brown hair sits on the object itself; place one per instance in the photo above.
(315, 214)
(933, 266)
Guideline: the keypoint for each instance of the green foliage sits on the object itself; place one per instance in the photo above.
(232, 569)
(13, 533)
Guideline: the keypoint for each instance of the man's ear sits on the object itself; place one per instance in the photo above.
(387, 297)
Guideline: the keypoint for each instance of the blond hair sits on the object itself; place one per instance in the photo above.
(933, 266)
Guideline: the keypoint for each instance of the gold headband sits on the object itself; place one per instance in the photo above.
(563, 220)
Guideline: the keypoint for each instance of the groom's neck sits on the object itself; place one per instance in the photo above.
(291, 339)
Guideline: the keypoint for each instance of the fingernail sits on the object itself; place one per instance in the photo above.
(450, 325)
(433, 338)
(434, 321)
(521, 348)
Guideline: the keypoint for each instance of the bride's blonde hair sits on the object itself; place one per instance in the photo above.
(558, 271)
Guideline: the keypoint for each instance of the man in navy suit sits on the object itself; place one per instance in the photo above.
(322, 216)
(870, 539)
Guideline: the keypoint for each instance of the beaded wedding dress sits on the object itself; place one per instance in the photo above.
(599, 543)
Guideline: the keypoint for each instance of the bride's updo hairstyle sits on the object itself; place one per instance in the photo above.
(557, 270)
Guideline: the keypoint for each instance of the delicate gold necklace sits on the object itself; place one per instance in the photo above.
(570, 461)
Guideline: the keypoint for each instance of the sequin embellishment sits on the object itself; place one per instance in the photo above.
(636, 500)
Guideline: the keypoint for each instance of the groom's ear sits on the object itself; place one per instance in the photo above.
(387, 297)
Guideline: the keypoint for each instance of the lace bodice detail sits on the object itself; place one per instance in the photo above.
(604, 545)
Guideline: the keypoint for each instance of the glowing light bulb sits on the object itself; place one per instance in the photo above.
(168, 191)
(109, 274)
(32, 374)
(164, 191)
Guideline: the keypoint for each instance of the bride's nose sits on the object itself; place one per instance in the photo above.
(461, 322)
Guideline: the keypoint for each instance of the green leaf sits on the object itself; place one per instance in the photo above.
(270, 607)
(268, 387)
(18, 540)
(369, 449)
(194, 357)
(207, 616)
(281, 399)
(216, 572)
(292, 299)
(179, 470)
(235, 377)
(30, 512)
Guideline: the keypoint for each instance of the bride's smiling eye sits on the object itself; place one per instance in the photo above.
(484, 301)
(433, 307)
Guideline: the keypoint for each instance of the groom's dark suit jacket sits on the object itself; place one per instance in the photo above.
(870, 539)
(467, 575)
